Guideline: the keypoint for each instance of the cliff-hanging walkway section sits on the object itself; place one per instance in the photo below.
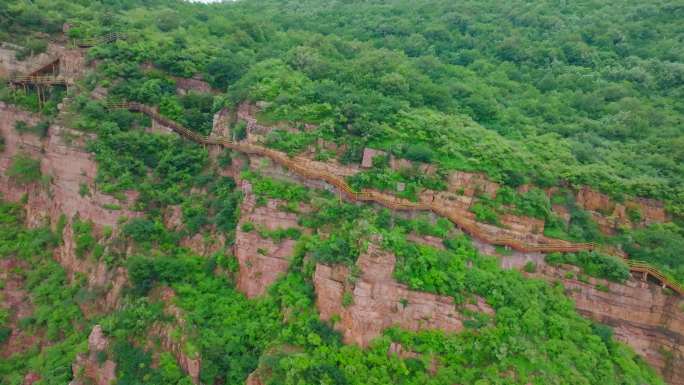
(473, 228)
(104, 39)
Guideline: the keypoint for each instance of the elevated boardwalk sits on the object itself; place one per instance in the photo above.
(41, 80)
(469, 226)
(105, 39)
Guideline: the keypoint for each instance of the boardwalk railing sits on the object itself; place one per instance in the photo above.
(47, 80)
(104, 39)
(468, 225)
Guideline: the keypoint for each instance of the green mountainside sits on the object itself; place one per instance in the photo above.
(546, 94)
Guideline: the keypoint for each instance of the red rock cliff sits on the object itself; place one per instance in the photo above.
(375, 301)
(642, 315)
(262, 260)
(66, 167)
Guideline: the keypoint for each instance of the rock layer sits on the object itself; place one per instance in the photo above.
(261, 260)
(641, 314)
(375, 301)
(166, 331)
(66, 168)
(90, 368)
(15, 299)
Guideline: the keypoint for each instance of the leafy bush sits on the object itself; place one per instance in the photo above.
(286, 141)
(24, 169)
(83, 237)
(39, 129)
(275, 189)
(31, 47)
(240, 130)
(419, 152)
(485, 213)
(660, 245)
(594, 264)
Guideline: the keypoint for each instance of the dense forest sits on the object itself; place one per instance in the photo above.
(547, 94)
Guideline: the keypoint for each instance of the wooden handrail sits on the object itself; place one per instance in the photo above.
(390, 201)
(104, 39)
(45, 79)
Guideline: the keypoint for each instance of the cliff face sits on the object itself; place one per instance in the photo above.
(90, 368)
(15, 299)
(374, 301)
(262, 260)
(642, 316)
(166, 332)
(648, 320)
(66, 168)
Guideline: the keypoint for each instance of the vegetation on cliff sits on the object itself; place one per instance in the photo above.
(539, 94)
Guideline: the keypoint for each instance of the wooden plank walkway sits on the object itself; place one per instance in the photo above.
(392, 202)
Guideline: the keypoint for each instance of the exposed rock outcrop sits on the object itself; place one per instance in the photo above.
(9, 65)
(15, 299)
(166, 332)
(374, 301)
(193, 84)
(93, 367)
(68, 62)
(612, 214)
(246, 112)
(262, 260)
(471, 184)
(68, 170)
(368, 155)
(642, 316)
(253, 379)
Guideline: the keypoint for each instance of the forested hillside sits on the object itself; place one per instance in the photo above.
(544, 100)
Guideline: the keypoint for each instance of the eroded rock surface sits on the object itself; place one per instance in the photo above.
(261, 260)
(15, 299)
(92, 367)
(375, 301)
(253, 379)
(641, 314)
(166, 332)
(470, 184)
(68, 170)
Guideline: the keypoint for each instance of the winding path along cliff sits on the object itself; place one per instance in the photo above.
(641, 314)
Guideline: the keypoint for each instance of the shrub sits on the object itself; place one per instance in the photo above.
(485, 213)
(420, 153)
(31, 47)
(634, 214)
(83, 189)
(348, 299)
(40, 128)
(4, 334)
(240, 131)
(83, 237)
(24, 169)
(225, 159)
(593, 264)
